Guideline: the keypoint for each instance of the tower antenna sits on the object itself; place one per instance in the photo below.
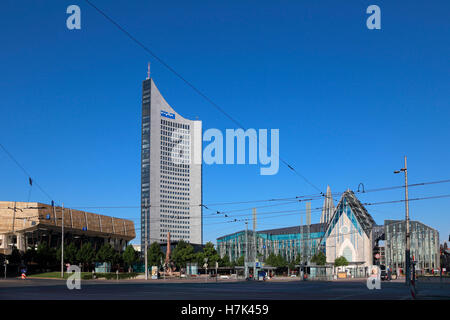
(148, 71)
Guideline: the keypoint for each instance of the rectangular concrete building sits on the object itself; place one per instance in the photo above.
(171, 172)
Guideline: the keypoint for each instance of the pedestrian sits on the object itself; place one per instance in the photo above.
(389, 274)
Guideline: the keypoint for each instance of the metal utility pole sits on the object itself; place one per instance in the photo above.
(6, 265)
(246, 249)
(407, 233)
(308, 226)
(62, 241)
(301, 248)
(254, 244)
(14, 217)
(145, 241)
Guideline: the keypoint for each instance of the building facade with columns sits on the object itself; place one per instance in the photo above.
(24, 225)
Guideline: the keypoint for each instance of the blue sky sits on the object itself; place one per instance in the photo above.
(349, 102)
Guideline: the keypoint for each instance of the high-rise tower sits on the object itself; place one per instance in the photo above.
(171, 171)
(328, 207)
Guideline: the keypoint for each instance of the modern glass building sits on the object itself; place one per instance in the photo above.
(288, 242)
(350, 231)
(424, 245)
(171, 171)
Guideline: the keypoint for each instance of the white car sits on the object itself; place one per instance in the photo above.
(224, 277)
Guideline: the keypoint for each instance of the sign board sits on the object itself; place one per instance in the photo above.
(154, 272)
(377, 256)
(166, 114)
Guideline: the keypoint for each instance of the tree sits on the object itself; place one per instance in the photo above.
(105, 253)
(240, 261)
(293, 263)
(70, 253)
(210, 253)
(86, 254)
(45, 256)
(15, 257)
(117, 259)
(319, 258)
(183, 253)
(154, 254)
(225, 261)
(276, 260)
(340, 261)
(30, 255)
(129, 256)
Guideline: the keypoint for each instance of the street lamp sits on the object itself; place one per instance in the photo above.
(407, 234)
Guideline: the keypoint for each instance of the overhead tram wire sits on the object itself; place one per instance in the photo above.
(310, 197)
(188, 83)
(267, 214)
(25, 171)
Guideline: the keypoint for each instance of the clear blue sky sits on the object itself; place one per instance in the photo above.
(349, 102)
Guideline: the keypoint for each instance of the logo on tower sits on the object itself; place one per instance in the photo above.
(167, 114)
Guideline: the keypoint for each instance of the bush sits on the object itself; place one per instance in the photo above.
(87, 276)
(113, 276)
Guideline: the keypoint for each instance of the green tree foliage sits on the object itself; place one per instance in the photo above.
(154, 254)
(15, 257)
(319, 258)
(45, 256)
(70, 253)
(340, 261)
(129, 256)
(105, 253)
(240, 261)
(276, 260)
(225, 261)
(117, 259)
(86, 254)
(30, 255)
(297, 261)
(182, 254)
(210, 253)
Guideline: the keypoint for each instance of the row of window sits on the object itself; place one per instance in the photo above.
(169, 165)
(178, 215)
(167, 182)
(175, 192)
(163, 196)
(174, 178)
(174, 124)
(175, 231)
(174, 173)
